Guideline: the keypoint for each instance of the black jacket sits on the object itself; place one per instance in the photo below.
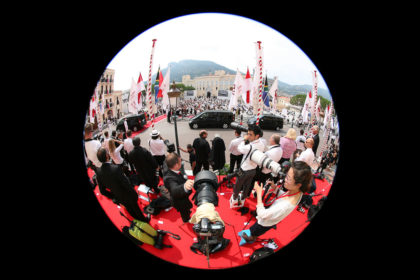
(218, 153)
(175, 185)
(316, 143)
(202, 149)
(114, 184)
(145, 165)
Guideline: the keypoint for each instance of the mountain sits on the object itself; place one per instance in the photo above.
(194, 68)
(197, 68)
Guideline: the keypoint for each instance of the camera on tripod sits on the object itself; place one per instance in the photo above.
(209, 233)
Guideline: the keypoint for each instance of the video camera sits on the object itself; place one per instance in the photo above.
(169, 146)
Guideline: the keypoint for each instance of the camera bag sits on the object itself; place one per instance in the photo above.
(157, 205)
(260, 254)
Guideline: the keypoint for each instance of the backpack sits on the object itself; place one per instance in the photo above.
(141, 232)
(260, 254)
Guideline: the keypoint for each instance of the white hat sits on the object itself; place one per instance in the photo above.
(154, 133)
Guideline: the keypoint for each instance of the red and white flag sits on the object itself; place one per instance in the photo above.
(164, 87)
(238, 88)
(247, 94)
(133, 97)
(140, 88)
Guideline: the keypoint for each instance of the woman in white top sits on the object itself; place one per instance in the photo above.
(298, 180)
(115, 152)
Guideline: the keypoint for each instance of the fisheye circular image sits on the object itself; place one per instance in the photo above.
(211, 141)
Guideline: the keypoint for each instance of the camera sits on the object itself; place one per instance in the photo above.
(205, 185)
(209, 234)
(169, 146)
(237, 126)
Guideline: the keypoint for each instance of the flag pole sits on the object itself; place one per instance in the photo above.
(149, 86)
(260, 65)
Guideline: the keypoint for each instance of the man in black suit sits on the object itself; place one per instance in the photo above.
(202, 151)
(179, 186)
(315, 131)
(116, 186)
(145, 165)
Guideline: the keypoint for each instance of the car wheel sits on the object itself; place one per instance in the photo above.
(135, 128)
(195, 126)
(225, 125)
(278, 128)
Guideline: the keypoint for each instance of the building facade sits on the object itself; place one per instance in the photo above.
(109, 101)
(210, 85)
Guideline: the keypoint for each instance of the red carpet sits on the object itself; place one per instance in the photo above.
(233, 255)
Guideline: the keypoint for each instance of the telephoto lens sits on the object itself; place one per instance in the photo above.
(237, 126)
(206, 185)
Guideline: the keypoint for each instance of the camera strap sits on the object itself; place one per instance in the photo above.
(250, 149)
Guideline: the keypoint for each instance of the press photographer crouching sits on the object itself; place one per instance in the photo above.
(208, 225)
(298, 181)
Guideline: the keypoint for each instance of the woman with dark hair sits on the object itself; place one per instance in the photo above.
(298, 181)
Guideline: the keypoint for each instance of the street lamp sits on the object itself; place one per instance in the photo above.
(173, 95)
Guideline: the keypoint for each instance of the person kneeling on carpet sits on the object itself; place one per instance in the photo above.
(298, 181)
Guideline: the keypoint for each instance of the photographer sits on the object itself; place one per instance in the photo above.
(235, 155)
(274, 152)
(178, 186)
(157, 149)
(192, 158)
(298, 181)
(247, 168)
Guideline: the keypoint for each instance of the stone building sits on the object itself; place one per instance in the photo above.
(211, 85)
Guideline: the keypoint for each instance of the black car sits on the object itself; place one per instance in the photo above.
(268, 121)
(212, 119)
(134, 122)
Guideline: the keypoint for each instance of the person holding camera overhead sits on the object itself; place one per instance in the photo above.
(298, 181)
(145, 164)
(247, 168)
(157, 149)
(178, 186)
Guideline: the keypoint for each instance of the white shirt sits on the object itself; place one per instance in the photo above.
(128, 145)
(279, 210)
(248, 164)
(116, 156)
(275, 154)
(233, 146)
(157, 147)
(91, 148)
(299, 144)
(307, 156)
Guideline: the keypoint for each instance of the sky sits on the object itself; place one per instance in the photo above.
(225, 39)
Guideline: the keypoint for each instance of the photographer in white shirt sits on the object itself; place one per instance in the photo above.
(247, 169)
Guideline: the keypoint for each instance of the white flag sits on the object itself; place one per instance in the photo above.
(238, 88)
(318, 109)
(133, 97)
(165, 86)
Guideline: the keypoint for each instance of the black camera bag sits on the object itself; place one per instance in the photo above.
(260, 254)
